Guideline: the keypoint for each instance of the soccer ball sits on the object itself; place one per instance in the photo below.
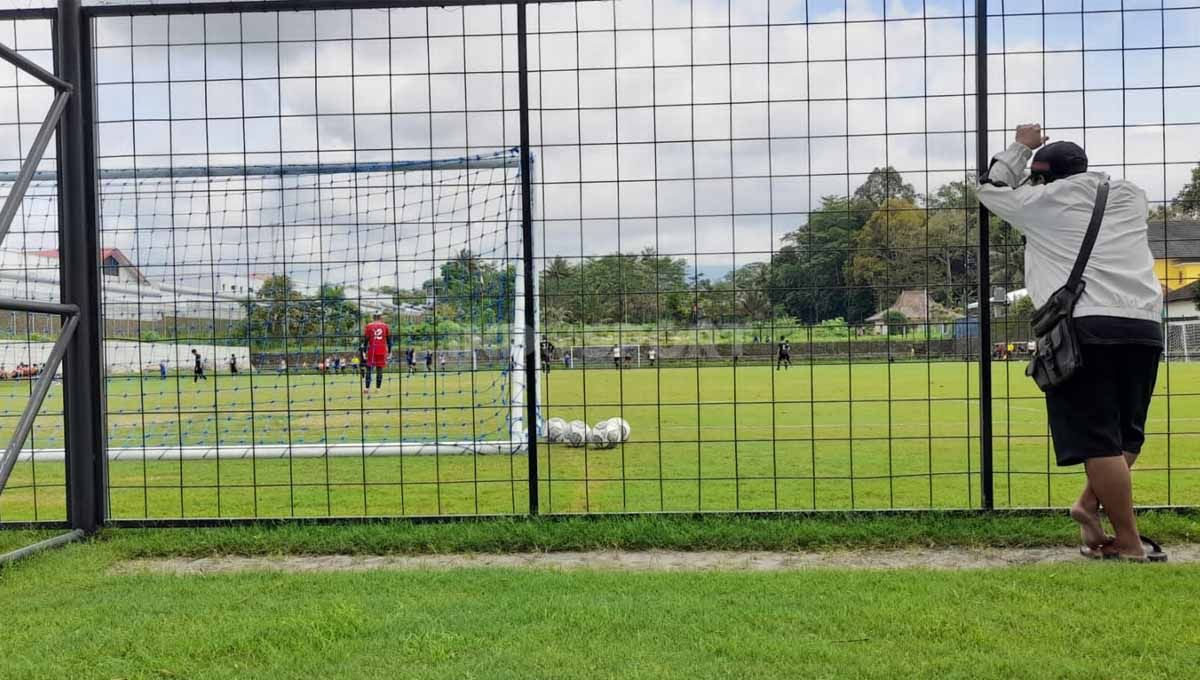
(622, 426)
(605, 435)
(577, 433)
(556, 430)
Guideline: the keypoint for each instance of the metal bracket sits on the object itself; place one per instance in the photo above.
(40, 142)
(42, 386)
(20, 184)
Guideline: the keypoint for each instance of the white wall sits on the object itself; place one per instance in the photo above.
(123, 356)
(1183, 309)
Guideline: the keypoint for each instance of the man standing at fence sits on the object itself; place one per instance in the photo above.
(1097, 414)
(376, 345)
(410, 359)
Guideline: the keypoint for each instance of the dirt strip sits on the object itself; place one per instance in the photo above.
(921, 558)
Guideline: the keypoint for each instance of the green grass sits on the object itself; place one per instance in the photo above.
(67, 616)
(827, 437)
(644, 532)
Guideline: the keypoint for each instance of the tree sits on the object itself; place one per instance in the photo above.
(276, 312)
(1023, 308)
(1186, 204)
(882, 185)
(336, 316)
(752, 296)
(889, 252)
(808, 277)
(623, 287)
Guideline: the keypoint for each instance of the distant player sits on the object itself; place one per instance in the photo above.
(162, 369)
(616, 355)
(198, 368)
(652, 355)
(442, 361)
(233, 364)
(784, 359)
(410, 359)
(547, 351)
(376, 345)
(428, 360)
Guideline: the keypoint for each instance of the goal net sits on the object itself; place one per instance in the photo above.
(272, 271)
(1183, 340)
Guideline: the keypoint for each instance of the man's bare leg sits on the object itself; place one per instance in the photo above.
(1110, 481)
(1086, 511)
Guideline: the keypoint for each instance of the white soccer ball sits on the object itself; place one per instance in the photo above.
(605, 435)
(622, 426)
(556, 430)
(577, 433)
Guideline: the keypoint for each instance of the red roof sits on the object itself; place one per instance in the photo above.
(105, 253)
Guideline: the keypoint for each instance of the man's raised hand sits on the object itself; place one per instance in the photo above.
(1031, 135)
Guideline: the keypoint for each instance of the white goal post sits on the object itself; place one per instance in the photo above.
(1183, 340)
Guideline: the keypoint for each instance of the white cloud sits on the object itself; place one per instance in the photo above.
(668, 128)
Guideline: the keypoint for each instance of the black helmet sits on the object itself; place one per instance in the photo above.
(1056, 161)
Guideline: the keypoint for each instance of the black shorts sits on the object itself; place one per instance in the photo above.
(1101, 411)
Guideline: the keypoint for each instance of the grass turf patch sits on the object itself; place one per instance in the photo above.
(1019, 622)
(632, 533)
(822, 437)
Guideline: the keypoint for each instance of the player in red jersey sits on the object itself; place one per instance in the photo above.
(376, 345)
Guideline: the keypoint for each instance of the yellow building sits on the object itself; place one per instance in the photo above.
(1176, 248)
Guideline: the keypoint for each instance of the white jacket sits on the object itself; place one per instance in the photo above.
(1054, 218)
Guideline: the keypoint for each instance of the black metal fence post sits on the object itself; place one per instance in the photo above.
(531, 373)
(83, 380)
(986, 489)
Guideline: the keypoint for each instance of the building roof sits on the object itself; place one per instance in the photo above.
(918, 307)
(1186, 293)
(105, 253)
(1175, 240)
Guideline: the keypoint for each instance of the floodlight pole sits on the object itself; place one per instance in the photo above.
(83, 380)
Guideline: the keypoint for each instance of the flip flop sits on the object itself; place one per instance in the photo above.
(1154, 553)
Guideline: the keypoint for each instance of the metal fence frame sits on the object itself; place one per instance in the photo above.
(78, 234)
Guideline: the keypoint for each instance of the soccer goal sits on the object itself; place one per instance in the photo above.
(1183, 340)
(277, 268)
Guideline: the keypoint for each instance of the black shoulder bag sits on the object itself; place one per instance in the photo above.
(1058, 356)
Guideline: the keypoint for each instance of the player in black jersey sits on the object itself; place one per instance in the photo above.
(784, 360)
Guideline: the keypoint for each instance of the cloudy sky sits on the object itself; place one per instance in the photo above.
(704, 129)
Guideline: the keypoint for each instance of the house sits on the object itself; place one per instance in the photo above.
(113, 264)
(1176, 249)
(919, 310)
(1180, 304)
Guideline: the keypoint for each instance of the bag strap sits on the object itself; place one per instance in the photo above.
(1089, 240)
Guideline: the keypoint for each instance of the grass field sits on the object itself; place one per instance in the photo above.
(68, 615)
(901, 435)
